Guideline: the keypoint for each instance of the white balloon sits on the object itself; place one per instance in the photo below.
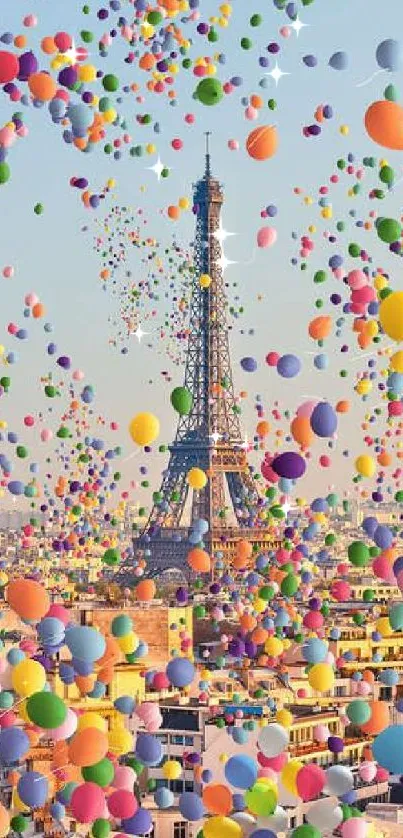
(277, 822)
(339, 780)
(325, 814)
(245, 821)
(273, 740)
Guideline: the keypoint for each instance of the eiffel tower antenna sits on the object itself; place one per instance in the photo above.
(207, 135)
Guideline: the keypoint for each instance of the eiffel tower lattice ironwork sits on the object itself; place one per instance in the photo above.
(209, 437)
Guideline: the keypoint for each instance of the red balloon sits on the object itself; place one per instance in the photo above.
(9, 67)
(87, 802)
(310, 781)
(122, 804)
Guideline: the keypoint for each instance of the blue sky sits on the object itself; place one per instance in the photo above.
(56, 260)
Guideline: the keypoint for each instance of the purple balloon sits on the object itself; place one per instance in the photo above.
(383, 537)
(335, 744)
(288, 366)
(289, 465)
(139, 824)
(323, 420)
(28, 65)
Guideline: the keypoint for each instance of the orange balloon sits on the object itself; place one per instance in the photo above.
(38, 310)
(262, 429)
(217, 799)
(384, 124)
(42, 86)
(85, 683)
(112, 653)
(259, 635)
(88, 746)
(384, 458)
(256, 101)
(48, 46)
(247, 622)
(301, 431)
(20, 41)
(320, 327)
(106, 674)
(262, 143)
(145, 590)
(380, 718)
(173, 212)
(147, 61)
(243, 554)
(199, 560)
(28, 599)
(343, 406)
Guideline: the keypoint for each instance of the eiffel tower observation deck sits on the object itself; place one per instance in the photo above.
(209, 437)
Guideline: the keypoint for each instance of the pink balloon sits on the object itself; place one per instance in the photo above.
(124, 777)
(59, 611)
(321, 733)
(354, 828)
(306, 409)
(233, 145)
(87, 802)
(65, 730)
(46, 435)
(122, 804)
(357, 279)
(266, 237)
(78, 375)
(8, 272)
(367, 771)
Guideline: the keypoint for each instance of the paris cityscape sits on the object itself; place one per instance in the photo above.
(201, 417)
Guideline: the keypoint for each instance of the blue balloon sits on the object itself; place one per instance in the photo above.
(180, 672)
(16, 487)
(148, 749)
(321, 361)
(323, 420)
(338, 61)
(191, 806)
(387, 749)
(389, 55)
(239, 735)
(314, 650)
(383, 537)
(138, 824)
(58, 811)
(125, 704)
(33, 789)
(389, 677)
(51, 631)
(85, 643)
(249, 364)
(164, 798)
(14, 744)
(240, 771)
(288, 366)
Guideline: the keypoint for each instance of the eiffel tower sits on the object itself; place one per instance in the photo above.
(209, 437)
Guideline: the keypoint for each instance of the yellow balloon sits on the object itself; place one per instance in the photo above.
(28, 677)
(391, 315)
(284, 717)
(144, 428)
(196, 478)
(205, 281)
(384, 627)
(120, 741)
(91, 719)
(289, 775)
(273, 647)
(172, 769)
(321, 677)
(365, 465)
(128, 644)
(396, 361)
(87, 73)
(221, 827)
(3, 579)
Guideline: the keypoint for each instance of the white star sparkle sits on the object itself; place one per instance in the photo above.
(297, 25)
(221, 235)
(139, 334)
(157, 168)
(276, 74)
(286, 507)
(224, 263)
(215, 436)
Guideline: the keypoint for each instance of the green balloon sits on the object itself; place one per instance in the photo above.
(306, 831)
(387, 175)
(100, 828)
(391, 93)
(358, 711)
(111, 557)
(209, 91)
(182, 400)
(389, 230)
(101, 773)
(39, 209)
(5, 173)
(256, 20)
(19, 823)
(358, 553)
(289, 585)
(110, 83)
(46, 710)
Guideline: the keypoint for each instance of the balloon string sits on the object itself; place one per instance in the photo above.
(368, 80)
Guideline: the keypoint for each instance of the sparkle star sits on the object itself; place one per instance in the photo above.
(297, 25)
(223, 262)
(157, 168)
(215, 436)
(139, 334)
(286, 507)
(221, 235)
(276, 74)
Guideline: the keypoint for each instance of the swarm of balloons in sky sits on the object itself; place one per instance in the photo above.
(105, 89)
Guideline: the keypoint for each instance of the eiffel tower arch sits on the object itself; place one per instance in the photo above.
(209, 437)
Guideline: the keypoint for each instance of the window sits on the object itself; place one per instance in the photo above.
(189, 740)
(180, 829)
(177, 740)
